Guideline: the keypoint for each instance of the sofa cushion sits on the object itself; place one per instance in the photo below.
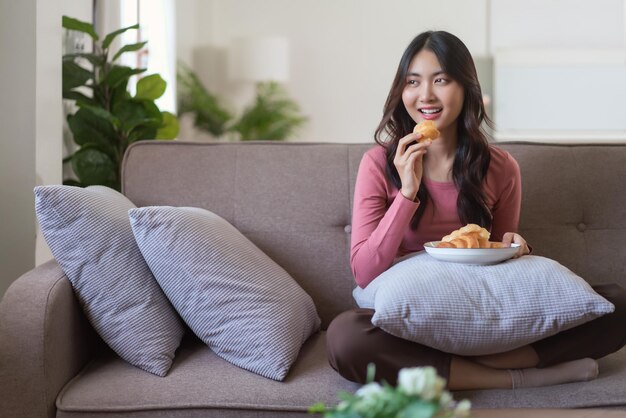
(200, 379)
(90, 236)
(234, 297)
(202, 384)
(473, 310)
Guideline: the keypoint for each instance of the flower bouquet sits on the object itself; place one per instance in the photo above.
(420, 394)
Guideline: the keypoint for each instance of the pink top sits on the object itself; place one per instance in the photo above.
(381, 216)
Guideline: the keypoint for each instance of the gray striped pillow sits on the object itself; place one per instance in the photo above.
(242, 304)
(90, 236)
(473, 310)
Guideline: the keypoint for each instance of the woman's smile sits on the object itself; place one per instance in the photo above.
(430, 112)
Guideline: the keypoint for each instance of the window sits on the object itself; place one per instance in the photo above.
(157, 22)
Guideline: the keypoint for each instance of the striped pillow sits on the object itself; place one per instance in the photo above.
(474, 310)
(242, 304)
(90, 236)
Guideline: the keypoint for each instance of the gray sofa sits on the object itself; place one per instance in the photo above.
(294, 201)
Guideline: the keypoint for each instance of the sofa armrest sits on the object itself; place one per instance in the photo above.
(44, 341)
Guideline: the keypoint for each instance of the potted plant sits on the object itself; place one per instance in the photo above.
(272, 116)
(420, 393)
(194, 98)
(108, 119)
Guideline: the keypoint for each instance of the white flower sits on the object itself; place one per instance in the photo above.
(421, 381)
(415, 385)
(445, 399)
(369, 396)
(342, 406)
(462, 409)
(366, 391)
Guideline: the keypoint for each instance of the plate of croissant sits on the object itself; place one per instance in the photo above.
(470, 245)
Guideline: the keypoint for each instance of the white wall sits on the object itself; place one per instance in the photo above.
(564, 79)
(17, 138)
(50, 117)
(31, 118)
(48, 127)
(344, 53)
(557, 24)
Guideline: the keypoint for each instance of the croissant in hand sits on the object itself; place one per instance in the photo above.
(427, 129)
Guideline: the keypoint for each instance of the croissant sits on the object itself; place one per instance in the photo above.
(465, 241)
(469, 236)
(427, 129)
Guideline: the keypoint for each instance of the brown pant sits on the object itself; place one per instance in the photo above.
(353, 342)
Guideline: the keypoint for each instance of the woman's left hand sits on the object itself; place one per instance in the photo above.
(513, 238)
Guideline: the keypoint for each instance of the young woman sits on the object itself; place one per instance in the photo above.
(409, 192)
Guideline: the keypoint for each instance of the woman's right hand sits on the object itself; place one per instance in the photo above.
(409, 163)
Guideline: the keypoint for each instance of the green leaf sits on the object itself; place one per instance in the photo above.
(129, 48)
(133, 114)
(72, 182)
(150, 87)
(92, 166)
(103, 114)
(111, 36)
(87, 128)
(80, 26)
(419, 409)
(95, 59)
(318, 408)
(141, 133)
(194, 98)
(151, 109)
(119, 94)
(169, 129)
(99, 94)
(120, 74)
(274, 116)
(74, 76)
(80, 99)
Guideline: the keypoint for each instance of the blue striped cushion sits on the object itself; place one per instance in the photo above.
(90, 236)
(242, 304)
(474, 310)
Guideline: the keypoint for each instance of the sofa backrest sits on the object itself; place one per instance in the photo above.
(574, 206)
(294, 201)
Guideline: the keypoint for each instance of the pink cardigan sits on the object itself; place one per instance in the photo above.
(381, 215)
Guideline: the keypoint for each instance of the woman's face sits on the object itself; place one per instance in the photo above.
(430, 94)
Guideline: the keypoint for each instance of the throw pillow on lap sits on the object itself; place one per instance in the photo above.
(90, 236)
(242, 304)
(474, 310)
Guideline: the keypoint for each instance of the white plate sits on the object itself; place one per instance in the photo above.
(481, 256)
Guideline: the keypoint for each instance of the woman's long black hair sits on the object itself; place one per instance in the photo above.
(472, 157)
